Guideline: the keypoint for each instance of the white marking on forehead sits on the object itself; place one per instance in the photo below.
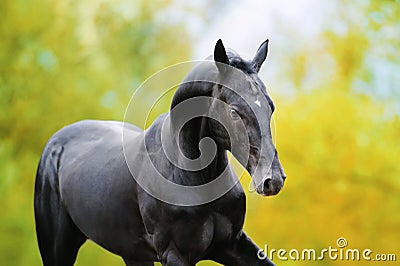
(258, 102)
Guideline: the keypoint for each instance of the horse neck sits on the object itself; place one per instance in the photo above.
(189, 140)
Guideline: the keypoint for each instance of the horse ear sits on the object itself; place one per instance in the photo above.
(220, 55)
(260, 56)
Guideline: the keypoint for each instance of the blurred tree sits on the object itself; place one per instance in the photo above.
(338, 138)
(63, 61)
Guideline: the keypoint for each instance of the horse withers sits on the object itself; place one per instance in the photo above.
(167, 193)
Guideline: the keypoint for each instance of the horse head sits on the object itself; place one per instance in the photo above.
(248, 104)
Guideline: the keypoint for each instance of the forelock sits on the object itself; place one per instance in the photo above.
(237, 62)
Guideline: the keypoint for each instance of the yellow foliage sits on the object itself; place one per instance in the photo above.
(339, 146)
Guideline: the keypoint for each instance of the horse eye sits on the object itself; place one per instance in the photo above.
(234, 114)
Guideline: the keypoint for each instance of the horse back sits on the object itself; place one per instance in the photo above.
(85, 165)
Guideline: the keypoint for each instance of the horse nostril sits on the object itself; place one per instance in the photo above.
(267, 184)
(283, 177)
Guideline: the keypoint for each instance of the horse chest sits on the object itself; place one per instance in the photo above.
(193, 230)
(192, 236)
(216, 227)
(224, 227)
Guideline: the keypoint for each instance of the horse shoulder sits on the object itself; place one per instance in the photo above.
(229, 217)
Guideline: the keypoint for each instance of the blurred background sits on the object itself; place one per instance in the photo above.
(332, 71)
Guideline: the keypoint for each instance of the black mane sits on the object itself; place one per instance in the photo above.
(237, 62)
(204, 72)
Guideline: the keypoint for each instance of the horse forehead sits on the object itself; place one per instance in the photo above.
(261, 92)
(258, 91)
(249, 87)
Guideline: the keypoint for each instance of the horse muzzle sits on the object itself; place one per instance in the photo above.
(273, 182)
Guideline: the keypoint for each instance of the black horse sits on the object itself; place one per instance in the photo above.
(92, 184)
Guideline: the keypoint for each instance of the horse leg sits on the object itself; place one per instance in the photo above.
(172, 257)
(58, 237)
(242, 251)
